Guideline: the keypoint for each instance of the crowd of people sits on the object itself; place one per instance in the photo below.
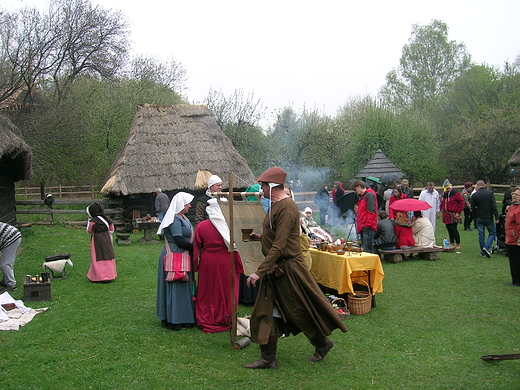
(193, 285)
(474, 206)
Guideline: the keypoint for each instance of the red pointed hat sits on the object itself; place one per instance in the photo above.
(273, 175)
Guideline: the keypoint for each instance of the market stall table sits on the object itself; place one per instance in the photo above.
(338, 271)
(148, 227)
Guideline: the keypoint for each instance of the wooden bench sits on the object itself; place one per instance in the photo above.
(396, 255)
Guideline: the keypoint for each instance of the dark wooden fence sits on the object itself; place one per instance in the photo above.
(113, 208)
(58, 192)
(29, 197)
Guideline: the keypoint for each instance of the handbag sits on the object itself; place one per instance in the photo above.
(176, 265)
(456, 218)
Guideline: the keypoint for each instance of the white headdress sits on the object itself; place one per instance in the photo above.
(178, 202)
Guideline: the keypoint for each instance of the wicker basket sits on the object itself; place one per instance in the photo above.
(340, 306)
(360, 302)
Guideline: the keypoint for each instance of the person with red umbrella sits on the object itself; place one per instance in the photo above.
(421, 228)
(397, 195)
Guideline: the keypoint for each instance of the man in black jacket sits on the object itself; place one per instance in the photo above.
(484, 206)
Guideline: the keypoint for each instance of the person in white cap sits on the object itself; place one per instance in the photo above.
(214, 185)
(311, 227)
(289, 300)
(307, 219)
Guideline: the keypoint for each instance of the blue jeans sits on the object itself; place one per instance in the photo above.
(489, 224)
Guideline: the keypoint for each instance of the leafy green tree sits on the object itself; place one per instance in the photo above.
(480, 122)
(308, 145)
(406, 138)
(251, 143)
(429, 65)
(77, 140)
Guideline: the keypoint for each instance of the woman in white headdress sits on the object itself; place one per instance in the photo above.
(175, 306)
(211, 256)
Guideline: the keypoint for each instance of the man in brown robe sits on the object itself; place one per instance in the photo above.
(289, 299)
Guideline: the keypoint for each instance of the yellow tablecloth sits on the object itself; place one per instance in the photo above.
(337, 271)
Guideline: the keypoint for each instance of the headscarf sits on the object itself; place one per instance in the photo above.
(96, 214)
(177, 203)
(214, 179)
(446, 185)
(217, 219)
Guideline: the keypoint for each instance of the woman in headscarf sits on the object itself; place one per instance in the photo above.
(452, 204)
(175, 306)
(103, 266)
(211, 256)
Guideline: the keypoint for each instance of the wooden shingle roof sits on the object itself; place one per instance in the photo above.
(378, 166)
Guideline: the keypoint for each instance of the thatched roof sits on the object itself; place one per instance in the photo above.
(514, 161)
(168, 145)
(378, 166)
(14, 151)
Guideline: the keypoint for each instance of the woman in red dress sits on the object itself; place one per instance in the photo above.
(212, 261)
(403, 230)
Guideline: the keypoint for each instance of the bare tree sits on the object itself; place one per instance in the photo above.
(73, 37)
(234, 109)
(169, 73)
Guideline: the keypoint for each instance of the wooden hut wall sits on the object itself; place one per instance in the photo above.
(7, 195)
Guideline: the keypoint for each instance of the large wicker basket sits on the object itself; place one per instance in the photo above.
(360, 302)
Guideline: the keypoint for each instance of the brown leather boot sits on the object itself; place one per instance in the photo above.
(323, 346)
(268, 359)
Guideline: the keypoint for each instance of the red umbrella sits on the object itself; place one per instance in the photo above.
(410, 204)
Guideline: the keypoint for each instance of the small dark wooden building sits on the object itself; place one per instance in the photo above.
(15, 165)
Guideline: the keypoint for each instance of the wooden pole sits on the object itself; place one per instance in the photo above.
(233, 329)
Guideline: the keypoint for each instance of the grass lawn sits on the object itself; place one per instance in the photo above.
(431, 325)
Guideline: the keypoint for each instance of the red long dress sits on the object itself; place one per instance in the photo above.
(211, 259)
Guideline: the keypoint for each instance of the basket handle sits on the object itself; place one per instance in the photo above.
(361, 280)
(339, 300)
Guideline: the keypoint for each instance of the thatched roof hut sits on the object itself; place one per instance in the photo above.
(514, 161)
(15, 165)
(15, 154)
(378, 166)
(167, 146)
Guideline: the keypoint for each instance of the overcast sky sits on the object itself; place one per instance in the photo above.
(300, 53)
